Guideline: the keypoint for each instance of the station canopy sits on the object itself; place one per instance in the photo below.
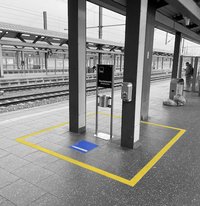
(171, 15)
(24, 36)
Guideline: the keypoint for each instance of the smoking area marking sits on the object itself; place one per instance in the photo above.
(83, 146)
(130, 182)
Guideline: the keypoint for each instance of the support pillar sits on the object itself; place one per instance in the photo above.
(100, 31)
(114, 62)
(45, 28)
(177, 45)
(192, 61)
(1, 61)
(170, 62)
(180, 67)
(17, 60)
(120, 63)
(22, 61)
(195, 74)
(162, 60)
(148, 55)
(77, 64)
(133, 70)
(157, 65)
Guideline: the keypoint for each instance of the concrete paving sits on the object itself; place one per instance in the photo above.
(31, 176)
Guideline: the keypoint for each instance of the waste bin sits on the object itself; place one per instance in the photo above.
(176, 87)
(104, 101)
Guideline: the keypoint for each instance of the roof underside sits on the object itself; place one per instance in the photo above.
(168, 14)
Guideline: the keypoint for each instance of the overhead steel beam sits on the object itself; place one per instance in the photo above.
(2, 34)
(63, 42)
(19, 36)
(187, 8)
(23, 44)
(111, 5)
(36, 39)
(160, 4)
(165, 23)
(103, 52)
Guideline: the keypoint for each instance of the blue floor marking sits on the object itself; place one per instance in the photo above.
(83, 146)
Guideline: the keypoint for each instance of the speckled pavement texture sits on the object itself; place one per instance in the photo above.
(31, 177)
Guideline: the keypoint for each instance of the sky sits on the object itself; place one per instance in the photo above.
(30, 13)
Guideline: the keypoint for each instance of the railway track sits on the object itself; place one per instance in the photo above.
(14, 100)
(40, 96)
(39, 84)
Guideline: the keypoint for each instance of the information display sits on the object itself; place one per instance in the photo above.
(104, 75)
(105, 79)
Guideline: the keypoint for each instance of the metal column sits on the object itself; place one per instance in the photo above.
(77, 64)
(192, 61)
(177, 45)
(180, 67)
(22, 61)
(157, 58)
(17, 59)
(120, 62)
(133, 70)
(148, 59)
(100, 31)
(1, 61)
(45, 28)
(195, 74)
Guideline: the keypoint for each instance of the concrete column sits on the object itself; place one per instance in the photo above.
(1, 61)
(177, 45)
(148, 59)
(133, 70)
(195, 74)
(77, 62)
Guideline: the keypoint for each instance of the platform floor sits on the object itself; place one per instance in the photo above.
(40, 168)
(31, 76)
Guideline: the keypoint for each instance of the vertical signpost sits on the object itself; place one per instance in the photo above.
(105, 79)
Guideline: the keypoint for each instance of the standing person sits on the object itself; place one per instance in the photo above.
(188, 75)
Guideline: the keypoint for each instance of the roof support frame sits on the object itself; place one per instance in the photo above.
(36, 39)
(165, 23)
(2, 34)
(19, 36)
(187, 8)
(110, 5)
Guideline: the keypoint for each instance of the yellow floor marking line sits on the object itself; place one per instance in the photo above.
(76, 162)
(120, 179)
(155, 159)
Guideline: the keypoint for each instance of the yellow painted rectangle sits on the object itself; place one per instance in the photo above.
(132, 182)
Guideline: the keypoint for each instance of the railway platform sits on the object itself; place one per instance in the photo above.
(22, 76)
(41, 162)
